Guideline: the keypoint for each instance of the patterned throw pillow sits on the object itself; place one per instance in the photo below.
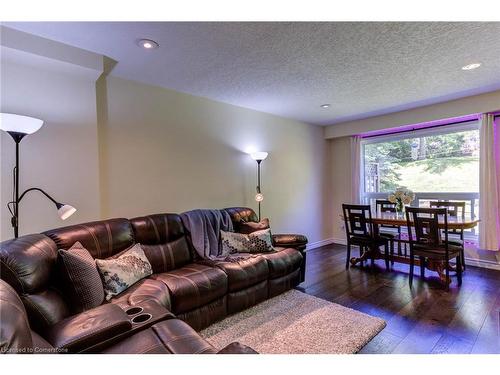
(121, 273)
(256, 242)
(247, 227)
(81, 278)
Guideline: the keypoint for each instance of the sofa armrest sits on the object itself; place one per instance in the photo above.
(89, 328)
(237, 348)
(296, 241)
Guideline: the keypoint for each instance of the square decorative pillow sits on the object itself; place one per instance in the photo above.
(122, 272)
(256, 242)
(247, 227)
(81, 278)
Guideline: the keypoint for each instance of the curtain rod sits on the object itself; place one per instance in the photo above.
(419, 128)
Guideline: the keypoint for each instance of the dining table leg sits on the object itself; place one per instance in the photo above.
(367, 253)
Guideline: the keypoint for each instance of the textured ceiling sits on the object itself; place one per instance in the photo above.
(289, 69)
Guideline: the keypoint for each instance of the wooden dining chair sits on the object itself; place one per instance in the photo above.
(360, 232)
(455, 209)
(426, 242)
(384, 205)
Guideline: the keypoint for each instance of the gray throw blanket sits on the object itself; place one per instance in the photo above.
(204, 226)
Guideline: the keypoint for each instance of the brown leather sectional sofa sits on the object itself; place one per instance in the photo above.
(159, 314)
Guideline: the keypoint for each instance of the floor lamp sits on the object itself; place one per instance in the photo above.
(258, 157)
(18, 127)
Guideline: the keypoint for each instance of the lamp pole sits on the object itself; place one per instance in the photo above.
(17, 136)
(18, 126)
(16, 205)
(258, 157)
(258, 182)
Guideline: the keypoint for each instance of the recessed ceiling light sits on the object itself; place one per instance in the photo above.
(471, 66)
(325, 105)
(147, 44)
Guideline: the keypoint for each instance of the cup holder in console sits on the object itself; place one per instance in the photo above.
(142, 318)
(134, 310)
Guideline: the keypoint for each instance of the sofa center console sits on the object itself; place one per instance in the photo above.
(140, 317)
(145, 314)
(103, 325)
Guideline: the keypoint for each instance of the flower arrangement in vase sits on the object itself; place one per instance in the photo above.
(401, 197)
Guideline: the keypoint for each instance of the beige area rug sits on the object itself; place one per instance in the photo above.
(295, 322)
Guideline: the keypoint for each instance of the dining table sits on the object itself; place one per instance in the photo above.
(398, 219)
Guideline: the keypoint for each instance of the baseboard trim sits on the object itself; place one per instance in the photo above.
(315, 245)
(482, 263)
(340, 241)
(468, 261)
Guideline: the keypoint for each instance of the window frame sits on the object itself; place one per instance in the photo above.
(367, 198)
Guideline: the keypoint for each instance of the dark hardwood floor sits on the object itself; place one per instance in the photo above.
(424, 319)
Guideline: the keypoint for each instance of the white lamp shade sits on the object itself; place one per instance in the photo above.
(66, 211)
(259, 155)
(19, 124)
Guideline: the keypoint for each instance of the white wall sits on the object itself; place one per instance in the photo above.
(488, 102)
(165, 151)
(112, 147)
(61, 157)
(340, 156)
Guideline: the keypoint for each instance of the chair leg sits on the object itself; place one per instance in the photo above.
(347, 261)
(422, 267)
(392, 253)
(387, 256)
(462, 255)
(399, 242)
(459, 270)
(411, 269)
(447, 272)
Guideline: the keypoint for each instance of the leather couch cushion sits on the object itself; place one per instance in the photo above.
(247, 227)
(164, 241)
(168, 256)
(180, 338)
(282, 261)
(239, 214)
(290, 240)
(82, 282)
(41, 346)
(171, 336)
(144, 290)
(282, 284)
(193, 285)
(237, 348)
(89, 328)
(205, 315)
(101, 238)
(242, 273)
(143, 342)
(248, 297)
(15, 333)
(45, 308)
(27, 262)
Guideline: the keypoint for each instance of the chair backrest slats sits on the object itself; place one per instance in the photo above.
(455, 209)
(357, 219)
(424, 224)
(384, 205)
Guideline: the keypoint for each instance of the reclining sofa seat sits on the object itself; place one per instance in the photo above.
(282, 262)
(171, 336)
(196, 291)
